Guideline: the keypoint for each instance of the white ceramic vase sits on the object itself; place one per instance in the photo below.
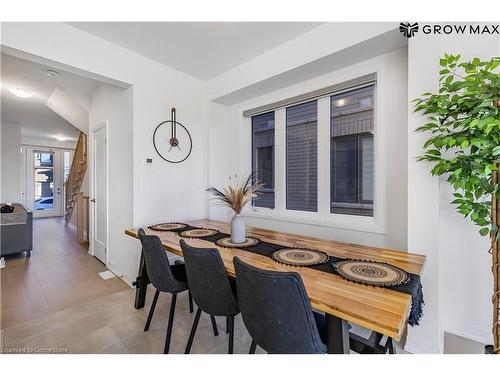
(238, 230)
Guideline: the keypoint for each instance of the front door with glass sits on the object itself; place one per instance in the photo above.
(44, 182)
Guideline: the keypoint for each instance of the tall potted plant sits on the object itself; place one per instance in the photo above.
(464, 145)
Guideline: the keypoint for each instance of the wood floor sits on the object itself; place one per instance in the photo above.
(59, 274)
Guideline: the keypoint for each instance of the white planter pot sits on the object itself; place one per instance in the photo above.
(238, 229)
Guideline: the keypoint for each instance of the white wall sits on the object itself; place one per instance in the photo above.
(423, 200)
(172, 191)
(69, 109)
(42, 142)
(113, 106)
(11, 163)
(230, 153)
(316, 45)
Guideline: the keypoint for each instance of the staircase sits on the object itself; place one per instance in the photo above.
(75, 178)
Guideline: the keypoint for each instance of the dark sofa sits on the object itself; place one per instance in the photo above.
(16, 231)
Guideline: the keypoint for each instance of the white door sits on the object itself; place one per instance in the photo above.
(99, 200)
(44, 176)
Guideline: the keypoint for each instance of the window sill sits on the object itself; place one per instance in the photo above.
(338, 221)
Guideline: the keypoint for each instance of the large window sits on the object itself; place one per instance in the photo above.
(351, 152)
(302, 157)
(263, 157)
(324, 138)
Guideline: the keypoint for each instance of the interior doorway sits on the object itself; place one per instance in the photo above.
(100, 188)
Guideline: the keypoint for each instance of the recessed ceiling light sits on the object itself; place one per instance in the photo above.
(60, 138)
(52, 73)
(21, 93)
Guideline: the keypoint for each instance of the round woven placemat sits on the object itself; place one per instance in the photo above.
(198, 233)
(168, 226)
(371, 273)
(226, 242)
(300, 256)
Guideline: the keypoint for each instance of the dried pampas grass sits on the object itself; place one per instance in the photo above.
(237, 194)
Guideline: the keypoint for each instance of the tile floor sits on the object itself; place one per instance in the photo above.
(59, 274)
(110, 324)
(56, 302)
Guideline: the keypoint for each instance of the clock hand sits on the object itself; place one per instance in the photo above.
(174, 123)
(178, 147)
(170, 148)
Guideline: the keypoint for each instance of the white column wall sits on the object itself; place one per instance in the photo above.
(423, 197)
(11, 163)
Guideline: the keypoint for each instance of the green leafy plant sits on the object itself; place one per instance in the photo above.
(464, 145)
(464, 125)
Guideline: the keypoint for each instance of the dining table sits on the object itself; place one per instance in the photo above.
(383, 311)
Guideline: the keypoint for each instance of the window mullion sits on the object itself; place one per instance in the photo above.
(279, 159)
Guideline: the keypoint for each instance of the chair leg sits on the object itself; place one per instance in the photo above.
(170, 323)
(253, 346)
(227, 325)
(214, 325)
(230, 320)
(193, 331)
(390, 345)
(152, 310)
(190, 296)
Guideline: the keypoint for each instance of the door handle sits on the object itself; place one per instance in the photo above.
(92, 200)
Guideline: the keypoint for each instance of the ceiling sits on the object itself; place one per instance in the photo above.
(201, 49)
(32, 114)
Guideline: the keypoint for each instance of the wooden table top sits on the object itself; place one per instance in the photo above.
(378, 309)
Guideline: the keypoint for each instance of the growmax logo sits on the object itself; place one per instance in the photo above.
(408, 29)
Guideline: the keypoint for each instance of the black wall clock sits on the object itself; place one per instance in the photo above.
(172, 140)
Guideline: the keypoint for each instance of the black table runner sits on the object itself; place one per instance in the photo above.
(413, 286)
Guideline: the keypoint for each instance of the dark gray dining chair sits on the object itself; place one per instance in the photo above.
(164, 277)
(211, 288)
(277, 312)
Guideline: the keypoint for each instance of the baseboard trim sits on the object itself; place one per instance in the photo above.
(125, 279)
(418, 347)
(469, 331)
